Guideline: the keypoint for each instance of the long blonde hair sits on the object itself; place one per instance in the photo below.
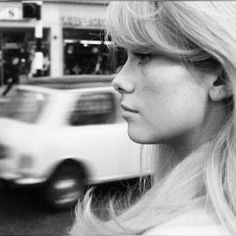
(204, 34)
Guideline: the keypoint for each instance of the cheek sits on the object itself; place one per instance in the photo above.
(170, 116)
(187, 110)
(171, 103)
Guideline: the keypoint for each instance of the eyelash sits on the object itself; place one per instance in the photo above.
(143, 58)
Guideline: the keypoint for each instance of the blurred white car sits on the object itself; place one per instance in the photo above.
(65, 139)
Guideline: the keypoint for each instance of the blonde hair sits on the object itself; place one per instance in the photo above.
(204, 34)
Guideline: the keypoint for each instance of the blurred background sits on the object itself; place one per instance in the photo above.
(70, 35)
(59, 44)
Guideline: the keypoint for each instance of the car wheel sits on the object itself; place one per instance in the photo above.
(65, 187)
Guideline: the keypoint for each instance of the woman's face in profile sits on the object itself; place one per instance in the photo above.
(162, 100)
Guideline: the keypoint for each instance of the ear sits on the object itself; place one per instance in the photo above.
(221, 88)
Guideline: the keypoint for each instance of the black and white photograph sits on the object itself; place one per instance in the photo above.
(117, 117)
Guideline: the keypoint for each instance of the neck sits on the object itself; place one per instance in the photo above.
(170, 157)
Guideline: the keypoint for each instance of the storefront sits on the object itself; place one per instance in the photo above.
(17, 51)
(85, 46)
(73, 40)
(17, 43)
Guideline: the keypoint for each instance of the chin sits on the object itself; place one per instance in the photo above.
(142, 138)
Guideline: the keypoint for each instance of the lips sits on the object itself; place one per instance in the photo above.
(127, 108)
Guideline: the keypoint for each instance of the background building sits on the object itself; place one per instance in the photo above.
(72, 43)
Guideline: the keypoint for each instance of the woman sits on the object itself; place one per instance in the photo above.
(177, 91)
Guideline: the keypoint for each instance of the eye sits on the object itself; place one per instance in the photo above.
(143, 58)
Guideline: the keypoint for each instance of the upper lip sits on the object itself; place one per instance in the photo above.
(127, 108)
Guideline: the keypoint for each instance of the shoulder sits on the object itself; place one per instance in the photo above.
(192, 223)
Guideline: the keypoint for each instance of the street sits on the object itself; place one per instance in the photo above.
(23, 214)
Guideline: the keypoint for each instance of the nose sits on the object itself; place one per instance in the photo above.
(122, 83)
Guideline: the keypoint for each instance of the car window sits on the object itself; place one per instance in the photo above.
(25, 105)
(93, 108)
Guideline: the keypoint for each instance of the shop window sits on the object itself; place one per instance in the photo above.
(86, 52)
(18, 50)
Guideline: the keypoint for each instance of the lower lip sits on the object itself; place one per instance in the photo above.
(127, 113)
